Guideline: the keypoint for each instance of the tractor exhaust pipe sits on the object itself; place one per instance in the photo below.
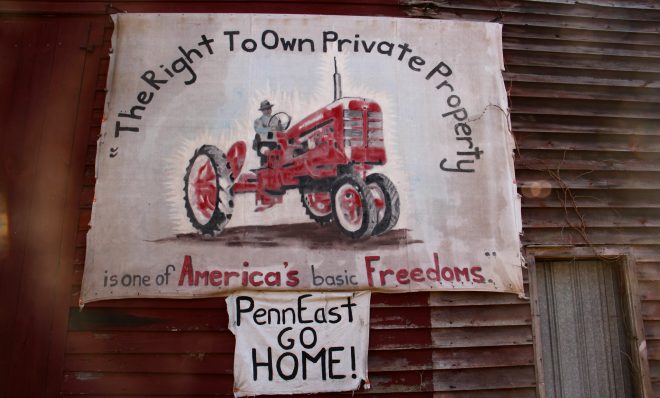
(337, 80)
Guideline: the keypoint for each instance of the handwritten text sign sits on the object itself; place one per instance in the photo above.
(292, 343)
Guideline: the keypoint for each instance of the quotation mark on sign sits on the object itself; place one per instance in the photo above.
(114, 152)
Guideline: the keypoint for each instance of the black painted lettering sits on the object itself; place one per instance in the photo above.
(301, 43)
(231, 34)
(274, 37)
(332, 362)
(385, 47)
(268, 364)
(342, 42)
(150, 78)
(329, 37)
(301, 309)
(320, 357)
(207, 43)
(240, 309)
(119, 128)
(405, 48)
(249, 45)
(440, 68)
(459, 166)
(289, 342)
(187, 54)
(180, 65)
(415, 62)
(294, 367)
(349, 306)
(144, 97)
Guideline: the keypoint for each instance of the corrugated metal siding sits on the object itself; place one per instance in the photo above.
(584, 83)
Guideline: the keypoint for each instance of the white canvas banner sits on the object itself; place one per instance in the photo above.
(281, 152)
(296, 343)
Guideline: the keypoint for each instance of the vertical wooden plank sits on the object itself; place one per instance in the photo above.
(74, 183)
(8, 252)
(30, 54)
(603, 305)
(638, 349)
(560, 314)
(536, 324)
(44, 198)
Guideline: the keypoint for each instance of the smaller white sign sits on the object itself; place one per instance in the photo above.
(292, 343)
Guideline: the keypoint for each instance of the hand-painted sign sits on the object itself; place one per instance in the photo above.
(303, 153)
(295, 343)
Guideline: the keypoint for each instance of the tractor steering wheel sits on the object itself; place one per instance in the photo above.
(284, 118)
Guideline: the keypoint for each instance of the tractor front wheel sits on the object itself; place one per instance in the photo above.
(353, 207)
(317, 206)
(208, 194)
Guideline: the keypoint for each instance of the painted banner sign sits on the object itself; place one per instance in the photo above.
(280, 152)
(294, 343)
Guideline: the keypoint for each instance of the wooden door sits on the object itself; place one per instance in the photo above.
(583, 340)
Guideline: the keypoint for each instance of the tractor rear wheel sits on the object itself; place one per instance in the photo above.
(386, 199)
(317, 206)
(353, 207)
(208, 194)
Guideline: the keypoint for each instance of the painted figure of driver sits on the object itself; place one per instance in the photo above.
(265, 126)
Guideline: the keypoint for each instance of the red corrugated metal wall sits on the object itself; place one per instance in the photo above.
(584, 91)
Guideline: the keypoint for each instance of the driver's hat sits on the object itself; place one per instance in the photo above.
(265, 104)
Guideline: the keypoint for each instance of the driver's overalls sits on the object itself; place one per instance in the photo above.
(265, 126)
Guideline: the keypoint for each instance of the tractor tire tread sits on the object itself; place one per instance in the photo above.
(223, 211)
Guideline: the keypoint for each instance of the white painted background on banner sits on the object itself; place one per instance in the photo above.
(456, 230)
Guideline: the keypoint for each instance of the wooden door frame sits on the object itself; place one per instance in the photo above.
(641, 377)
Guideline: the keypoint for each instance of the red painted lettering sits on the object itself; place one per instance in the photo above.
(370, 269)
(476, 275)
(447, 274)
(464, 272)
(433, 274)
(253, 281)
(215, 278)
(417, 274)
(402, 276)
(202, 275)
(292, 277)
(229, 275)
(273, 279)
(383, 274)
(186, 271)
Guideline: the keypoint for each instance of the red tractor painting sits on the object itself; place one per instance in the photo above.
(327, 157)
